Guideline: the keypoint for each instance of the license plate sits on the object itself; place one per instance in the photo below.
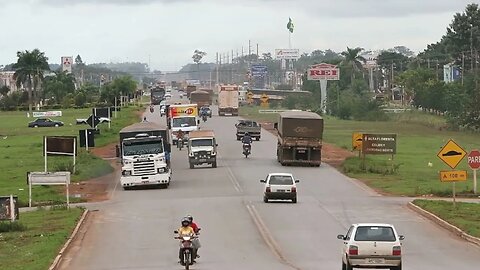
(202, 160)
(374, 261)
(301, 151)
(280, 190)
(145, 182)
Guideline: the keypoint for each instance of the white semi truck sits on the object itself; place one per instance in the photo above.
(144, 151)
(182, 117)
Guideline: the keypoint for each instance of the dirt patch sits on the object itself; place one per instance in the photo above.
(331, 154)
(97, 189)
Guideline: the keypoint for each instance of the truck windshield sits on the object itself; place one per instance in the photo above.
(184, 122)
(202, 142)
(142, 148)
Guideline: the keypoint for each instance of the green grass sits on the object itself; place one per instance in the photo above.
(465, 216)
(251, 112)
(420, 136)
(21, 152)
(36, 247)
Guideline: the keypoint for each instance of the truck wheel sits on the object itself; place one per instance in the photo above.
(258, 139)
(294, 200)
(283, 163)
(214, 164)
(238, 138)
(192, 166)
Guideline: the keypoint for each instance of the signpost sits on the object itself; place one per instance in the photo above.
(287, 54)
(48, 178)
(378, 144)
(60, 145)
(452, 153)
(323, 73)
(264, 100)
(9, 208)
(357, 139)
(250, 97)
(47, 114)
(474, 163)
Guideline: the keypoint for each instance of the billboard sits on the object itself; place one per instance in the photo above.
(67, 62)
(258, 70)
(287, 54)
(47, 114)
(60, 145)
(379, 144)
(323, 72)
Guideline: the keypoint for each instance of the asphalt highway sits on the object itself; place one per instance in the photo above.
(134, 230)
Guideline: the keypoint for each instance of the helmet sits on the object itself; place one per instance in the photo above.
(185, 222)
(190, 218)
(247, 134)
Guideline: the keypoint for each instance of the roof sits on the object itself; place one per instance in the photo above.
(200, 92)
(283, 174)
(201, 134)
(142, 126)
(300, 114)
(374, 225)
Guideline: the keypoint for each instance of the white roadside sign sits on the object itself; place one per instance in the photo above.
(287, 54)
(47, 114)
(48, 179)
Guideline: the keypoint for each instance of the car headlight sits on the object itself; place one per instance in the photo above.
(126, 173)
(161, 170)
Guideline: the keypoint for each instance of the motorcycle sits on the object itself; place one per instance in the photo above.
(180, 144)
(247, 148)
(186, 249)
(151, 109)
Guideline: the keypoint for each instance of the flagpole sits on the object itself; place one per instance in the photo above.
(289, 40)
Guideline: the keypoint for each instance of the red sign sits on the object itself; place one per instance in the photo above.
(474, 159)
(323, 72)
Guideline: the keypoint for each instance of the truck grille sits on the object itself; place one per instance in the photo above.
(143, 167)
(202, 154)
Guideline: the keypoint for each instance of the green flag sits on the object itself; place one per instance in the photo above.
(290, 25)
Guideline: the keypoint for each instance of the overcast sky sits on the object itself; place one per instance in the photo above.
(168, 31)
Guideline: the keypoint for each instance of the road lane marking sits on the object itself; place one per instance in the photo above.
(234, 180)
(267, 236)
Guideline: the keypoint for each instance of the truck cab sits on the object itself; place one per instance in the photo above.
(202, 148)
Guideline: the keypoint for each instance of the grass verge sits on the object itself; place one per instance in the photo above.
(35, 247)
(21, 151)
(465, 216)
(420, 137)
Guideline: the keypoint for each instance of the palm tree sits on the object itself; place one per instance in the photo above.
(30, 68)
(353, 59)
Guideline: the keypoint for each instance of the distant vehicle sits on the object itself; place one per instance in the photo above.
(162, 110)
(206, 110)
(202, 148)
(281, 186)
(228, 100)
(168, 95)
(201, 98)
(157, 94)
(45, 122)
(83, 121)
(371, 245)
(252, 127)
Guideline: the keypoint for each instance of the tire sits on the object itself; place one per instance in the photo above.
(348, 266)
(294, 200)
(192, 166)
(238, 138)
(214, 164)
(283, 163)
(187, 261)
(399, 267)
(257, 139)
(344, 266)
(265, 199)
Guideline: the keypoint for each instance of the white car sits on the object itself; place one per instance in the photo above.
(281, 186)
(371, 245)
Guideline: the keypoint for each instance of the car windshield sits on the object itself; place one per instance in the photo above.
(375, 233)
(281, 180)
(142, 148)
(184, 122)
(202, 142)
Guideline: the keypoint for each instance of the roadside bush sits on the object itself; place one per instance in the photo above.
(12, 227)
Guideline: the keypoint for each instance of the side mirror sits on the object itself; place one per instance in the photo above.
(275, 126)
(341, 237)
(262, 181)
(216, 144)
(401, 237)
(297, 181)
(175, 231)
(198, 122)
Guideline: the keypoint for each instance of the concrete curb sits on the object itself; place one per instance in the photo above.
(444, 224)
(57, 260)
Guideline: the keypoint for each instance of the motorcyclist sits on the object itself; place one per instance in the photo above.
(196, 241)
(180, 135)
(247, 139)
(184, 230)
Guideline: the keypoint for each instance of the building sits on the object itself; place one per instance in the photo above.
(6, 79)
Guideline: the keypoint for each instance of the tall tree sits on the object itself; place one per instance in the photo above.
(198, 55)
(4, 90)
(59, 86)
(78, 60)
(353, 59)
(29, 71)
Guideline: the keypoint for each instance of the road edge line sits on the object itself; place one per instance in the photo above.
(58, 258)
(444, 224)
(267, 237)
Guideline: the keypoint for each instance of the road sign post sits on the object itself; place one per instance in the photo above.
(452, 153)
(474, 163)
(323, 72)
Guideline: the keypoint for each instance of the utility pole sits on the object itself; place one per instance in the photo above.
(463, 66)
(257, 51)
(217, 70)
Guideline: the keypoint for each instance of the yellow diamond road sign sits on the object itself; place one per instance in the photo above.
(264, 98)
(452, 154)
(357, 141)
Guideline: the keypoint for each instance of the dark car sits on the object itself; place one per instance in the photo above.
(45, 122)
(206, 110)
